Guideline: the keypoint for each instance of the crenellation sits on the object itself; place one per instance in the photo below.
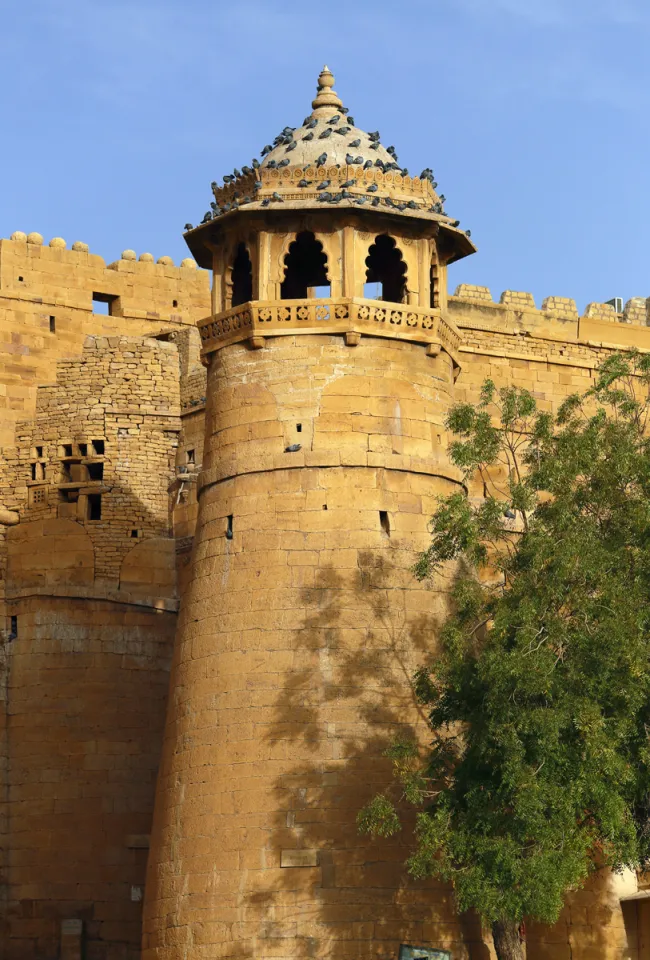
(636, 311)
(468, 291)
(601, 311)
(52, 297)
(562, 308)
(518, 300)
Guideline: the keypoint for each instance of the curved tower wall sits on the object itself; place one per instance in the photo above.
(296, 645)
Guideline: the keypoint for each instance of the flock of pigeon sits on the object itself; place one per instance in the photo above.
(331, 127)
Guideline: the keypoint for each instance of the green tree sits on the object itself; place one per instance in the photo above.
(538, 694)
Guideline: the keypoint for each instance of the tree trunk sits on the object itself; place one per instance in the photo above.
(507, 942)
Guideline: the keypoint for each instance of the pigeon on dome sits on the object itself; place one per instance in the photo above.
(327, 112)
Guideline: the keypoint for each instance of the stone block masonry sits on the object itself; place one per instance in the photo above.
(282, 488)
(52, 298)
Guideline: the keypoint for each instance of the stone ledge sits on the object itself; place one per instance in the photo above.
(159, 604)
(334, 459)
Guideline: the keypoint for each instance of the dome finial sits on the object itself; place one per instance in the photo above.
(327, 101)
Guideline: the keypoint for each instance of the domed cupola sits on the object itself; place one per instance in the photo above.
(327, 215)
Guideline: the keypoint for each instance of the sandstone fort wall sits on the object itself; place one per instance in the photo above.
(320, 622)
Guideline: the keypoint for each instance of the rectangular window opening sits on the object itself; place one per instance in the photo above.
(52, 324)
(39, 452)
(299, 427)
(94, 506)
(13, 628)
(372, 291)
(191, 456)
(34, 466)
(20, 279)
(104, 303)
(67, 449)
(174, 303)
(83, 449)
(95, 471)
(229, 528)
(135, 534)
(98, 447)
(384, 522)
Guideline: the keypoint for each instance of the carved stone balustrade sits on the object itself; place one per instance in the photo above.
(343, 315)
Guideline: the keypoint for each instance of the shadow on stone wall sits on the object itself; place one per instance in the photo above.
(345, 702)
(337, 713)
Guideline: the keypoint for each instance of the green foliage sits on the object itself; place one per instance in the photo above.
(539, 696)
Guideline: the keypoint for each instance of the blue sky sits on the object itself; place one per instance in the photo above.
(117, 114)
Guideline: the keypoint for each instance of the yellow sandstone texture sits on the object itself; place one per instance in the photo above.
(267, 455)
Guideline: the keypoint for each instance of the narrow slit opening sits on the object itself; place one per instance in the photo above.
(229, 528)
(13, 629)
(299, 427)
(384, 522)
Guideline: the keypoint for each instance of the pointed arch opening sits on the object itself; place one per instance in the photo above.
(385, 266)
(305, 269)
(242, 276)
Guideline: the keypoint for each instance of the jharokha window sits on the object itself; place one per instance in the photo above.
(242, 276)
(305, 269)
(384, 266)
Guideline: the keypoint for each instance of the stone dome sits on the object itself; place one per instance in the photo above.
(327, 162)
(327, 130)
(328, 159)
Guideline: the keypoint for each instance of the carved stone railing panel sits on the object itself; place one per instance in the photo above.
(342, 315)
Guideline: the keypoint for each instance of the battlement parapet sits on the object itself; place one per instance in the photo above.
(76, 278)
(468, 291)
(601, 311)
(562, 310)
(518, 300)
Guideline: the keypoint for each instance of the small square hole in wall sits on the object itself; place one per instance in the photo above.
(66, 449)
(104, 303)
(174, 303)
(20, 279)
(83, 449)
(52, 324)
(95, 471)
(135, 534)
(98, 447)
(39, 451)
